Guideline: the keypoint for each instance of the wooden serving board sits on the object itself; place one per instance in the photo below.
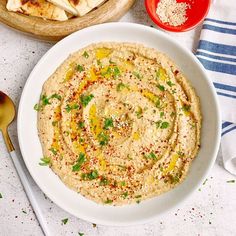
(51, 30)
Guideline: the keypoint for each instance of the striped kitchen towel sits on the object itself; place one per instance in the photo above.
(217, 53)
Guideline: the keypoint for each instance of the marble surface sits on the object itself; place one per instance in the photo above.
(209, 211)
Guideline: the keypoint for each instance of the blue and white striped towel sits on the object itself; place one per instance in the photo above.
(217, 53)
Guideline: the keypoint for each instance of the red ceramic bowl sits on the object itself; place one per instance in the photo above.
(196, 14)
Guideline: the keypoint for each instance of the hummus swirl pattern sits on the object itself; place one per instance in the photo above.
(119, 123)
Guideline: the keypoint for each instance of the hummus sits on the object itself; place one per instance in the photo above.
(119, 123)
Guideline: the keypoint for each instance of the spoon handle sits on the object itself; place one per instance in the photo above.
(31, 195)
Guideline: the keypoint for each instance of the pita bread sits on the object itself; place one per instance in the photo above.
(85, 6)
(39, 8)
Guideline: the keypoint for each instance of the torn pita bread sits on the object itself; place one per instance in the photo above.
(39, 8)
(65, 5)
(85, 6)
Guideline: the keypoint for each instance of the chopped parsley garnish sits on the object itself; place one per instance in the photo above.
(122, 183)
(161, 114)
(124, 195)
(81, 125)
(37, 107)
(151, 155)
(121, 86)
(23, 211)
(138, 196)
(85, 54)
(81, 234)
(54, 123)
(103, 139)
(90, 176)
(174, 179)
(57, 96)
(139, 112)
(231, 181)
(85, 99)
(180, 153)
(45, 161)
(205, 181)
(0, 195)
(137, 75)
(79, 68)
(53, 150)
(116, 72)
(164, 125)
(108, 201)
(158, 103)
(158, 123)
(104, 181)
(111, 71)
(71, 107)
(108, 123)
(186, 107)
(170, 83)
(161, 87)
(99, 63)
(45, 100)
(79, 162)
(81, 140)
(64, 221)
(138, 201)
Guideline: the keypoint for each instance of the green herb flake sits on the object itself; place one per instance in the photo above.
(85, 99)
(45, 100)
(57, 96)
(53, 150)
(79, 162)
(85, 54)
(81, 234)
(37, 107)
(161, 87)
(151, 155)
(103, 139)
(116, 72)
(90, 176)
(81, 125)
(139, 112)
(172, 114)
(108, 201)
(164, 125)
(121, 86)
(64, 221)
(138, 196)
(45, 161)
(79, 68)
(54, 123)
(124, 195)
(138, 201)
(69, 108)
(186, 108)
(205, 181)
(158, 123)
(162, 114)
(108, 123)
(104, 181)
(0, 195)
(23, 211)
(122, 183)
(137, 75)
(170, 83)
(230, 181)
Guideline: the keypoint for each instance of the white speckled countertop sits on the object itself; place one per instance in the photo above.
(210, 211)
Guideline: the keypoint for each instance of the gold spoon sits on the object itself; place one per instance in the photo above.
(7, 115)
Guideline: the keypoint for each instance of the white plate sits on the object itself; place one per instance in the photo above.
(72, 201)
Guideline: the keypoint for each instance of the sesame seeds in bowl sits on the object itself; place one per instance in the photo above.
(176, 15)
